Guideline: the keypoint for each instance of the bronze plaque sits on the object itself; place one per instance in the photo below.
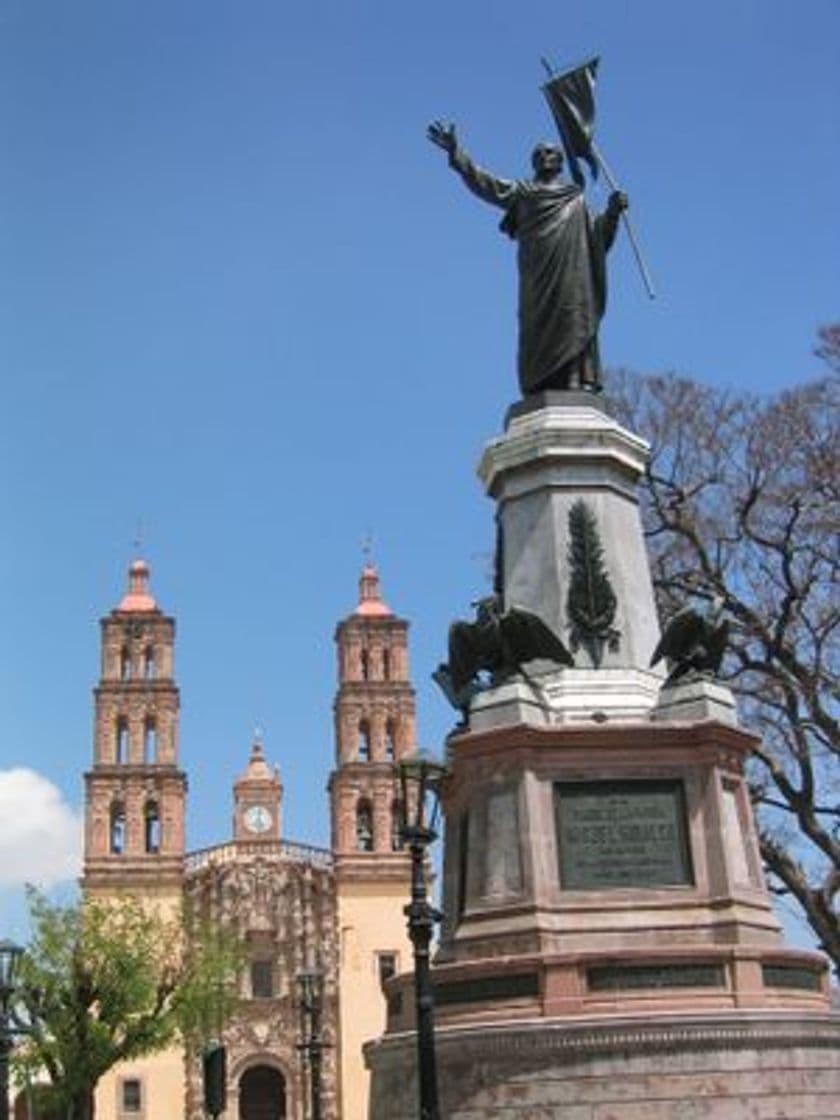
(622, 834)
(791, 976)
(485, 988)
(619, 978)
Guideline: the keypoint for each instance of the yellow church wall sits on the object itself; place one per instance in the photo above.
(371, 922)
(162, 1075)
(166, 901)
(161, 1078)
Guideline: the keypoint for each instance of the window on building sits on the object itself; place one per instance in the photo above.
(131, 1095)
(125, 664)
(149, 663)
(364, 660)
(149, 741)
(151, 827)
(386, 664)
(364, 741)
(386, 965)
(262, 979)
(364, 827)
(117, 830)
(121, 740)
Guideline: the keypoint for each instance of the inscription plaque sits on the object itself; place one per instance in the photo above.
(615, 834)
(792, 976)
(516, 986)
(617, 978)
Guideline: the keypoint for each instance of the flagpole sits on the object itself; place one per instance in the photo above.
(631, 233)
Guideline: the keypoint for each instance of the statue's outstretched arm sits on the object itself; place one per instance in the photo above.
(498, 192)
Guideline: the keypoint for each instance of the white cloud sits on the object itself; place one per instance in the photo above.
(40, 835)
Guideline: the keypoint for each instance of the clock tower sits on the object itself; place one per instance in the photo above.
(257, 795)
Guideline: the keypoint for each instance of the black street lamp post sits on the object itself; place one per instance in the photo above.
(420, 780)
(10, 1025)
(312, 1045)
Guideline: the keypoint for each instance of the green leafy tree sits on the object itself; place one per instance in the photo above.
(742, 502)
(105, 981)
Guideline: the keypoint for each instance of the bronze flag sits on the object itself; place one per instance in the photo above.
(571, 99)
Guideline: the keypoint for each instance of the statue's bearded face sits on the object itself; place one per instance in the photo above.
(547, 160)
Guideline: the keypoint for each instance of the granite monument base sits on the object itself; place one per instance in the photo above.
(719, 1066)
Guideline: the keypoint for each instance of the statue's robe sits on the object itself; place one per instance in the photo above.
(562, 274)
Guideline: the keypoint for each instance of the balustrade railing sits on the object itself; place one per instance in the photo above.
(283, 851)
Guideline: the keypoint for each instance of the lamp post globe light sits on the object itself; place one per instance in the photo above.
(10, 1025)
(311, 988)
(420, 781)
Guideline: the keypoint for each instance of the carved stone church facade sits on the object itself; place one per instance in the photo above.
(295, 908)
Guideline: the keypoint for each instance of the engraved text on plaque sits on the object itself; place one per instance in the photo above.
(622, 834)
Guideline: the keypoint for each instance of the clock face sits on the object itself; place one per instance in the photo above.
(258, 819)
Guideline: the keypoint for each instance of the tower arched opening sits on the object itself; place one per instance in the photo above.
(116, 829)
(150, 741)
(364, 826)
(121, 740)
(363, 751)
(151, 828)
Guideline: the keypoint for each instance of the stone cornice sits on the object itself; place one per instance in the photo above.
(137, 686)
(606, 737)
(538, 1038)
(566, 435)
(136, 772)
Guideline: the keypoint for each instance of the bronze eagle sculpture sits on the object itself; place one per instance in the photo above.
(498, 643)
(693, 642)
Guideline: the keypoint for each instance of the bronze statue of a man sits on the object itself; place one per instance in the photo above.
(562, 263)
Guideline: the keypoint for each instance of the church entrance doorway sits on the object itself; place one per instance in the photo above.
(262, 1094)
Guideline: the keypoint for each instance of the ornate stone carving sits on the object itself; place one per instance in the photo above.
(591, 602)
(285, 911)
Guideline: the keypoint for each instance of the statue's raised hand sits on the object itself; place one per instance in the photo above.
(443, 135)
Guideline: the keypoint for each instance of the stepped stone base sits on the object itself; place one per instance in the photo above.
(732, 1066)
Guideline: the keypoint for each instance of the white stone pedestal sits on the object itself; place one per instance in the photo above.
(545, 462)
(569, 696)
(693, 700)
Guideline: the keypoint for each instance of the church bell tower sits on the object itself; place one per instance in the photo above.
(374, 729)
(135, 791)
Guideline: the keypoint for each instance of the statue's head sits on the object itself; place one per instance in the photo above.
(547, 160)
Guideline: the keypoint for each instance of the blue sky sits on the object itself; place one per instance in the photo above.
(244, 303)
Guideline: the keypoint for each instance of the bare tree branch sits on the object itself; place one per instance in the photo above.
(742, 500)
